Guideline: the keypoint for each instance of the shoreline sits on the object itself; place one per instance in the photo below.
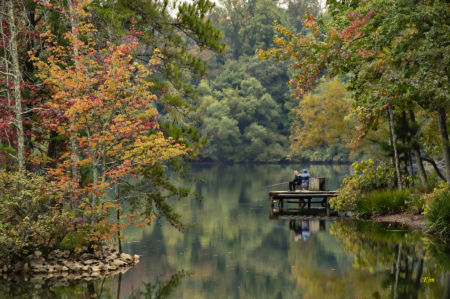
(270, 163)
(102, 263)
(415, 222)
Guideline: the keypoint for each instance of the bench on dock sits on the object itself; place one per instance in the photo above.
(303, 198)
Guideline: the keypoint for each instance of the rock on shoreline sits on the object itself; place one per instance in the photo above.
(104, 261)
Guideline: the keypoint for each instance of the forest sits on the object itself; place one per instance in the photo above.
(248, 113)
(105, 103)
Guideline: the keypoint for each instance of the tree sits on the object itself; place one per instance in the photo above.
(10, 68)
(105, 96)
(247, 25)
(320, 117)
(383, 46)
(242, 122)
(170, 38)
(296, 11)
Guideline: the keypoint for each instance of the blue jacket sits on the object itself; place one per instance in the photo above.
(305, 174)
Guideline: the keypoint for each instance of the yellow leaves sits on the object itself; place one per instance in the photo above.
(320, 116)
(38, 158)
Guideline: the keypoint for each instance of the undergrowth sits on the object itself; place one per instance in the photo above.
(438, 214)
(382, 202)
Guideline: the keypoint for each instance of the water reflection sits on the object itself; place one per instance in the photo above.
(235, 251)
(160, 289)
(397, 254)
(303, 228)
(58, 287)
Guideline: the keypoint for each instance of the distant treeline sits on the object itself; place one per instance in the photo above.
(247, 113)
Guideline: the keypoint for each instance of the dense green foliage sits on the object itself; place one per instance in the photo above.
(32, 215)
(240, 119)
(258, 128)
(367, 177)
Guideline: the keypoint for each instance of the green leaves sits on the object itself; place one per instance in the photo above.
(32, 214)
(241, 121)
(368, 177)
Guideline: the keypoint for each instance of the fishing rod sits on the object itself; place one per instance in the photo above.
(275, 185)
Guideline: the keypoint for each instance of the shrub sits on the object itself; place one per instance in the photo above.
(73, 241)
(367, 178)
(417, 200)
(437, 211)
(381, 202)
(31, 215)
(433, 182)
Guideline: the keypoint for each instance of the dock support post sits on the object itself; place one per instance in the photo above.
(271, 202)
(328, 207)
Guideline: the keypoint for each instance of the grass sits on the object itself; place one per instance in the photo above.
(438, 215)
(383, 202)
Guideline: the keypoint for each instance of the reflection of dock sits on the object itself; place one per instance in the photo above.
(304, 228)
(301, 214)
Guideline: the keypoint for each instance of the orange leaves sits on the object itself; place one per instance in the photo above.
(103, 100)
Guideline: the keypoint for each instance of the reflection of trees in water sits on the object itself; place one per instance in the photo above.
(102, 288)
(250, 178)
(54, 289)
(377, 248)
(229, 220)
(160, 289)
(388, 263)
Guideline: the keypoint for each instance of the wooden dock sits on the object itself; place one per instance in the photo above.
(303, 198)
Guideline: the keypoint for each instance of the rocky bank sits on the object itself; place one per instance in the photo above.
(82, 264)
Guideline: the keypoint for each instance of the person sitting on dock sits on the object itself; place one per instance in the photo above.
(297, 181)
(305, 179)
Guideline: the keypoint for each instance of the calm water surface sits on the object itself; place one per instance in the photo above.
(235, 251)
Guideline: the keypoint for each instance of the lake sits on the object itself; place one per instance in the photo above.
(235, 251)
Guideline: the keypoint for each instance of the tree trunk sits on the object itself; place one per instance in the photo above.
(404, 141)
(95, 184)
(94, 193)
(416, 150)
(394, 144)
(76, 172)
(118, 218)
(442, 123)
(435, 167)
(390, 144)
(17, 94)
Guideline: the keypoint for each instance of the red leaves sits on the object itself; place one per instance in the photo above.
(358, 21)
